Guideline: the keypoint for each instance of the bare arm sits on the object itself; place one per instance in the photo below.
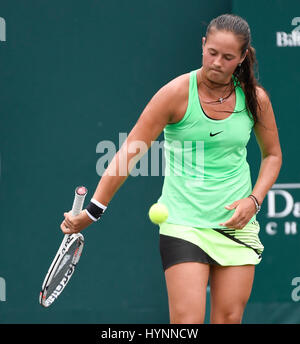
(267, 138)
(161, 110)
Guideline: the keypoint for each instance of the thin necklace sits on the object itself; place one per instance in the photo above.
(220, 99)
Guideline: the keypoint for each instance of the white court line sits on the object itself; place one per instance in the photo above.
(286, 186)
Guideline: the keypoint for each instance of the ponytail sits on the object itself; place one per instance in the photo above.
(245, 74)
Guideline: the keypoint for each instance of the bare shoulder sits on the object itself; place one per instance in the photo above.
(180, 82)
(170, 101)
(265, 110)
(178, 94)
(176, 87)
(262, 95)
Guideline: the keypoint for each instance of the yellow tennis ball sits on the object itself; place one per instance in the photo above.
(158, 213)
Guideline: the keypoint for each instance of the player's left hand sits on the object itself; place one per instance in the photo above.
(74, 224)
(244, 210)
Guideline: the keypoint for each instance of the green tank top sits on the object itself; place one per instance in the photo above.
(205, 163)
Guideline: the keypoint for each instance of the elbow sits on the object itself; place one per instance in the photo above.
(277, 160)
(275, 157)
(279, 157)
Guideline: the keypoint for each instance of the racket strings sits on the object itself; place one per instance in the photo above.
(66, 263)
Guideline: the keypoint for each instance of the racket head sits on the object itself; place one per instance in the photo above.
(61, 268)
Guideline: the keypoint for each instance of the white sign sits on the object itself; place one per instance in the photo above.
(291, 39)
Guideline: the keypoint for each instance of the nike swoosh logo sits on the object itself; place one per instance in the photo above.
(211, 134)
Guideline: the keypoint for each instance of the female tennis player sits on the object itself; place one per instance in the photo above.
(211, 234)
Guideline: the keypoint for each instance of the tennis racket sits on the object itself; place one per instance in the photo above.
(66, 258)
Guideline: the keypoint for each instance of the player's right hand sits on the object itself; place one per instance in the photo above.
(75, 224)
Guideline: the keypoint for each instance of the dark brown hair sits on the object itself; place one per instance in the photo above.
(245, 74)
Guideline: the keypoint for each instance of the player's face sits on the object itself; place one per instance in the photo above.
(221, 55)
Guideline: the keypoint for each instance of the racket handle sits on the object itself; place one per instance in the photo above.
(80, 194)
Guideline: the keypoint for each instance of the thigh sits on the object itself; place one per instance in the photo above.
(230, 288)
(186, 286)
